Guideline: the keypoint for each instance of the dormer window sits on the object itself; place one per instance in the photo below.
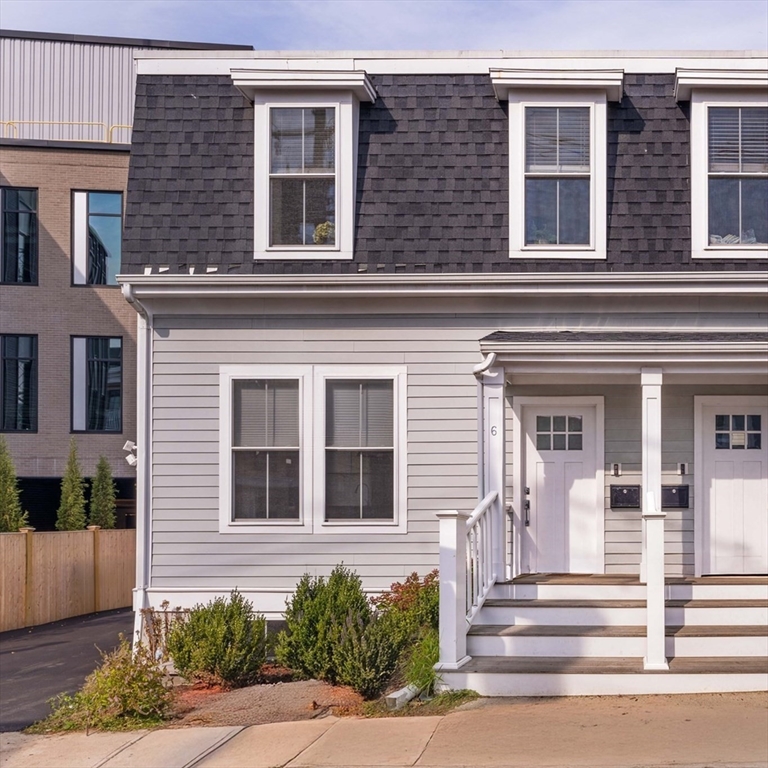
(557, 160)
(729, 161)
(305, 146)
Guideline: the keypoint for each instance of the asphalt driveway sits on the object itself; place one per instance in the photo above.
(40, 662)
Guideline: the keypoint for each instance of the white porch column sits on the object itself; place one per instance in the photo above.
(453, 589)
(494, 460)
(652, 565)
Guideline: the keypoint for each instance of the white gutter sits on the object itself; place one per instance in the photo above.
(144, 455)
(434, 285)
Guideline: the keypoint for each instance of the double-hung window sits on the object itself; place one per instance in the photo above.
(18, 235)
(557, 160)
(97, 237)
(18, 383)
(305, 160)
(729, 162)
(313, 448)
(97, 384)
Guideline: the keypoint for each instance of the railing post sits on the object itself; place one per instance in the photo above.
(652, 564)
(453, 589)
(96, 568)
(494, 462)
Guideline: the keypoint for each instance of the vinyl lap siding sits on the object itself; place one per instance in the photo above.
(187, 549)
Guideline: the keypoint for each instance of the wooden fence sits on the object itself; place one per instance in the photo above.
(50, 576)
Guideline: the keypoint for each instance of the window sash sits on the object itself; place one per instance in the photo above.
(19, 238)
(302, 177)
(104, 229)
(19, 383)
(103, 384)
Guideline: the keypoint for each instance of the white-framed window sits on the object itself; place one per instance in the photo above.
(729, 174)
(558, 168)
(558, 159)
(313, 448)
(305, 161)
(97, 237)
(265, 471)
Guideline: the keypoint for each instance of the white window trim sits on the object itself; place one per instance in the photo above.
(396, 374)
(312, 448)
(701, 100)
(597, 102)
(228, 374)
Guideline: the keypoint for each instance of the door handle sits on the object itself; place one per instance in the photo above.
(527, 508)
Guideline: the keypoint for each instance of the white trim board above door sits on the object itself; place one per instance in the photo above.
(567, 524)
(731, 484)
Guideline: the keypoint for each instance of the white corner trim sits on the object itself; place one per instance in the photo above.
(686, 80)
(251, 81)
(611, 82)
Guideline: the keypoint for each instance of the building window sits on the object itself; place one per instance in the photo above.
(302, 176)
(359, 450)
(97, 384)
(729, 170)
(97, 233)
(18, 235)
(557, 176)
(18, 385)
(305, 159)
(738, 176)
(266, 460)
(313, 449)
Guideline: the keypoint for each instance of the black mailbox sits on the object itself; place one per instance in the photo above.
(674, 496)
(625, 497)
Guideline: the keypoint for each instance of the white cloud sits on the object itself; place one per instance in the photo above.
(411, 24)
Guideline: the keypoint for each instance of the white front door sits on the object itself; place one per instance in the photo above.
(562, 521)
(735, 486)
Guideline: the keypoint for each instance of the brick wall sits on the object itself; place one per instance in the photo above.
(56, 310)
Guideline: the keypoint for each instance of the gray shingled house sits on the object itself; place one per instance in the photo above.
(502, 313)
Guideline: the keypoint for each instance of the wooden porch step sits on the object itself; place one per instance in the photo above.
(544, 665)
(581, 603)
(628, 578)
(544, 630)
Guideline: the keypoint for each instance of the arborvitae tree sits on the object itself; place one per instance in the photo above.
(12, 516)
(103, 491)
(71, 514)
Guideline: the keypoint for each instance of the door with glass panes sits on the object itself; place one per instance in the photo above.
(561, 524)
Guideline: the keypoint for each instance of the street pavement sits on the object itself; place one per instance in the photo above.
(722, 730)
(37, 663)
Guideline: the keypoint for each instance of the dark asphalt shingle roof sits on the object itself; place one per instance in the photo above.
(581, 337)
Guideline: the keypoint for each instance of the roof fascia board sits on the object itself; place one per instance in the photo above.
(251, 81)
(221, 62)
(609, 81)
(427, 285)
(686, 80)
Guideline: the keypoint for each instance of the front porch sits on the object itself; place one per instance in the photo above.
(532, 603)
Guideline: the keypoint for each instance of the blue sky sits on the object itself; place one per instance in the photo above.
(410, 24)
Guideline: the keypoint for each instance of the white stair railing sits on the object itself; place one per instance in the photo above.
(469, 546)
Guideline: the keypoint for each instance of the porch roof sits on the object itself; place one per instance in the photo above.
(509, 338)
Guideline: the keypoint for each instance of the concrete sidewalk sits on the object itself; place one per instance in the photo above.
(708, 730)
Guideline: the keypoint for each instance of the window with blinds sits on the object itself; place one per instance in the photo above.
(359, 450)
(18, 383)
(266, 449)
(557, 175)
(738, 175)
(302, 176)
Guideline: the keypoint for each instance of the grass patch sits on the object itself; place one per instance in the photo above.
(441, 704)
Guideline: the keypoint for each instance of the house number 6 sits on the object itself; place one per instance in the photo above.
(494, 431)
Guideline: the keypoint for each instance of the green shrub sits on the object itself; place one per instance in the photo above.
(415, 600)
(101, 510)
(12, 516)
(314, 617)
(126, 691)
(71, 514)
(222, 642)
(366, 655)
